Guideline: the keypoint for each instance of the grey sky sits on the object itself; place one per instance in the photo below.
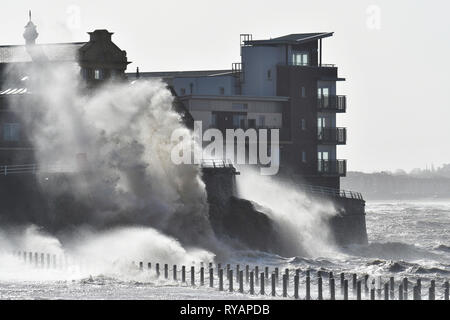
(397, 76)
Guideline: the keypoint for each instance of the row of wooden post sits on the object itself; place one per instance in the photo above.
(43, 260)
(254, 277)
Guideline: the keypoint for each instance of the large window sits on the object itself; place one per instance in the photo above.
(98, 74)
(303, 92)
(323, 165)
(300, 59)
(321, 124)
(11, 132)
(323, 94)
(262, 121)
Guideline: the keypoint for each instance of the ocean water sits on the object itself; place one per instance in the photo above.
(407, 239)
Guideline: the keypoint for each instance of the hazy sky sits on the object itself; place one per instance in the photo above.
(397, 67)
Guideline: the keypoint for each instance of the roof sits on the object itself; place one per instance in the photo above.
(295, 38)
(52, 52)
(181, 74)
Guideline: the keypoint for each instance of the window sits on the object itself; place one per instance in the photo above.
(323, 95)
(262, 121)
(84, 73)
(321, 124)
(214, 120)
(303, 124)
(183, 91)
(304, 157)
(98, 74)
(222, 90)
(300, 59)
(11, 132)
(191, 87)
(269, 74)
(323, 163)
(303, 92)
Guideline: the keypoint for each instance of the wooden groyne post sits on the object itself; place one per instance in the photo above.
(296, 285)
(262, 289)
(308, 287)
(241, 281)
(230, 280)
(183, 274)
(358, 290)
(252, 284)
(273, 285)
(332, 288)
(220, 279)
(319, 286)
(211, 277)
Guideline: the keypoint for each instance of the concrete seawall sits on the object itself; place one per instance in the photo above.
(238, 218)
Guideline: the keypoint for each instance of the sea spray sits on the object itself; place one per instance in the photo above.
(301, 220)
(108, 253)
(123, 130)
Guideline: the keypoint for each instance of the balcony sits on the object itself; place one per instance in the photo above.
(334, 136)
(332, 103)
(332, 168)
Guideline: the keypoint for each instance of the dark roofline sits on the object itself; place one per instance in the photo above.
(181, 74)
(291, 39)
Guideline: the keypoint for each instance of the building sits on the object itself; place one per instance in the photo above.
(279, 83)
(97, 60)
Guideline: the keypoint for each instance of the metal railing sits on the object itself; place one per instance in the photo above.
(33, 169)
(216, 163)
(325, 191)
(332, 135)
(307, 65)
(332, 103)
(332, 167)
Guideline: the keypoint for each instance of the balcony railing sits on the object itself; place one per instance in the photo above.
(332, 135)
(332, 167)
(332, 103)
(330, 192)
(307, 65)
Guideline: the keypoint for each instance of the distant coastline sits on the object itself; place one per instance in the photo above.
(417, 185)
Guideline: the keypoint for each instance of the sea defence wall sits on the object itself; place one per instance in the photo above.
(234, 219)
(25, 199)
(238, 218)
(349, 227)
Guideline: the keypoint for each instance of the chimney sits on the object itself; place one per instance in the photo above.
(100, 36)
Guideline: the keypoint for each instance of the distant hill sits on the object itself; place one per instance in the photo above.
(419, 184)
